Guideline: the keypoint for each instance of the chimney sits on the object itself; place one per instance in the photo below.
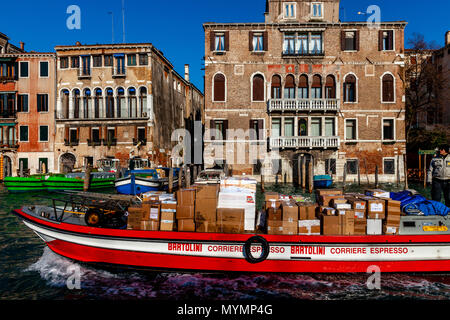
(186, 72)
(447, 38)
(22, 46)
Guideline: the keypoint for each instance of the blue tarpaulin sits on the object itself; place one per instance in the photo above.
(411, 202)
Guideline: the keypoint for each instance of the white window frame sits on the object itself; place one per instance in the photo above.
(394, 129)
(28, 134)
(48, 134)
(313, 4)
(226, 87)
(259, 34)
(20, 69)
(381, 88)
(219, 33)
(293, 6)
(346, 162)
(393, 40)
(48, 69)
(395, 165)
(356, 130)
(356, 88)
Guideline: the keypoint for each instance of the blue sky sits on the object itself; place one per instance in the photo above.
(175, 27)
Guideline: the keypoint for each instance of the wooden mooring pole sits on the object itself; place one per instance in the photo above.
(303, 174)
(425, 171)
(359, 172)
(262, 184)
(171, 180)
(344, 176)
(310, 177)
(376, 176)
(87, 178)
(188, 177)
(405, 168)
(180, 178)
(366, 171)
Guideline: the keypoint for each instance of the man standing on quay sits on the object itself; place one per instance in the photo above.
(439, 175)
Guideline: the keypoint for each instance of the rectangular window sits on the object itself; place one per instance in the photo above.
(258, 42)
(219, 127)
(389, 166)
(22, 103)
(289, 127)
(352, 166)
(108, 60)
(75, 62)
(131, 59)
(24, 69)
(23, 134)
(388, 129)
(316, 127)
(277, 166)
(143, 59)
(23, 164)
(289, 10)
(256, 129)
(141, 134)
(64, 62)
(350, 129)
(43, 69)
(387, 40)
(329, 127)
(350, 40)
(303, 43)
(219, 42)
(86, 65)
(97, 61)
(330, 166)
(42, 102)
(73, 136)
(316, 10)
(43, 133)
(276, 127)
(120, 65)
(95, 135)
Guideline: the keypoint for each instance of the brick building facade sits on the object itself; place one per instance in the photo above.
(313, 88)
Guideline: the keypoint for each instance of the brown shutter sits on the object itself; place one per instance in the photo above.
(303, 83)
(212, 126)
(250, 41)
(266, 40)
(357, 40)
(380, 40)
(261, 129)
(342, 40)
(258, 88)
(67, 133)
(227, 40)
(225, 128)
(252, 133)
(219, 87)
(212, 40)
(90, 133)
(391, 40)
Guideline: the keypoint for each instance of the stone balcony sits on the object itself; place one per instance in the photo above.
(304, 143)
(303, 105)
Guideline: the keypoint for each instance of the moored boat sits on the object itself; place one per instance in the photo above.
(140, 181)
(323, 181)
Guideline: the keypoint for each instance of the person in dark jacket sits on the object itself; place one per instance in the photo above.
(439, 175)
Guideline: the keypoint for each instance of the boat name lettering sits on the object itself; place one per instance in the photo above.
(307, 250)
(385, 250)
(191, 247)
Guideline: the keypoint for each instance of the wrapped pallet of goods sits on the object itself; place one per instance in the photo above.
(185, 210)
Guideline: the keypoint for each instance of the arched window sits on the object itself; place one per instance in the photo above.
(142, 102)
(330, 88)
(87, 103)
(303, 88)
(219, 87)
(76, 103)
(98, 102)
(132, 103)
(289, 87)
(258, 88)
(65, 103)
(388, 88)
(276, 87)
(121, 104)
(350, 88)
(109, 103)
(316, 87)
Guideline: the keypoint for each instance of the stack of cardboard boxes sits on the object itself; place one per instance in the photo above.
(205, 207)
(185, 214)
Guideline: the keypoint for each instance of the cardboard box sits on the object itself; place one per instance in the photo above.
(375, 208)
(357, 204)
(274, 204)
(167, 222)
(269, 196)
(307, 211)
(390, 229)
(290, 211)
(374, 226)
(275, 227)
(289, 227)
(329, 211)
(230, 215)
(205, 210)
(186, 197)
(347, 222)
(325, 200)
(330, 225)
(207, 191)
(205, 226)
(360, 227)
(150, 225)
(324, 192)
(360, 214)
(275, 214)
(309, 227)
(230, 227)
(377, 193)
(169, 206)
(151, 212)
(134, 224)
(185, 212)
(186, 225)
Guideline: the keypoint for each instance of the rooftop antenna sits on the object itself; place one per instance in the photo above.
(123, 19)
(112, 25)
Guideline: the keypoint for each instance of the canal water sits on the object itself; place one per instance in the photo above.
(29, 270)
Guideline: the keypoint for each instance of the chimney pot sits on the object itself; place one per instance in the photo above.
(447, 38)
(186, 72)
(22, 45)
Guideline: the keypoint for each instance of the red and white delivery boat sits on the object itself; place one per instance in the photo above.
(193, 251)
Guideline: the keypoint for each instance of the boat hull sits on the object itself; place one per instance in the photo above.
(54, 183)
(134, 185)
(193, 251)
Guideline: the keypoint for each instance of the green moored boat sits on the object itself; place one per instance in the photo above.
(59, 182)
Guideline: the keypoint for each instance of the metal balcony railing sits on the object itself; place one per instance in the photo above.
(304, 142)
(303, 105)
